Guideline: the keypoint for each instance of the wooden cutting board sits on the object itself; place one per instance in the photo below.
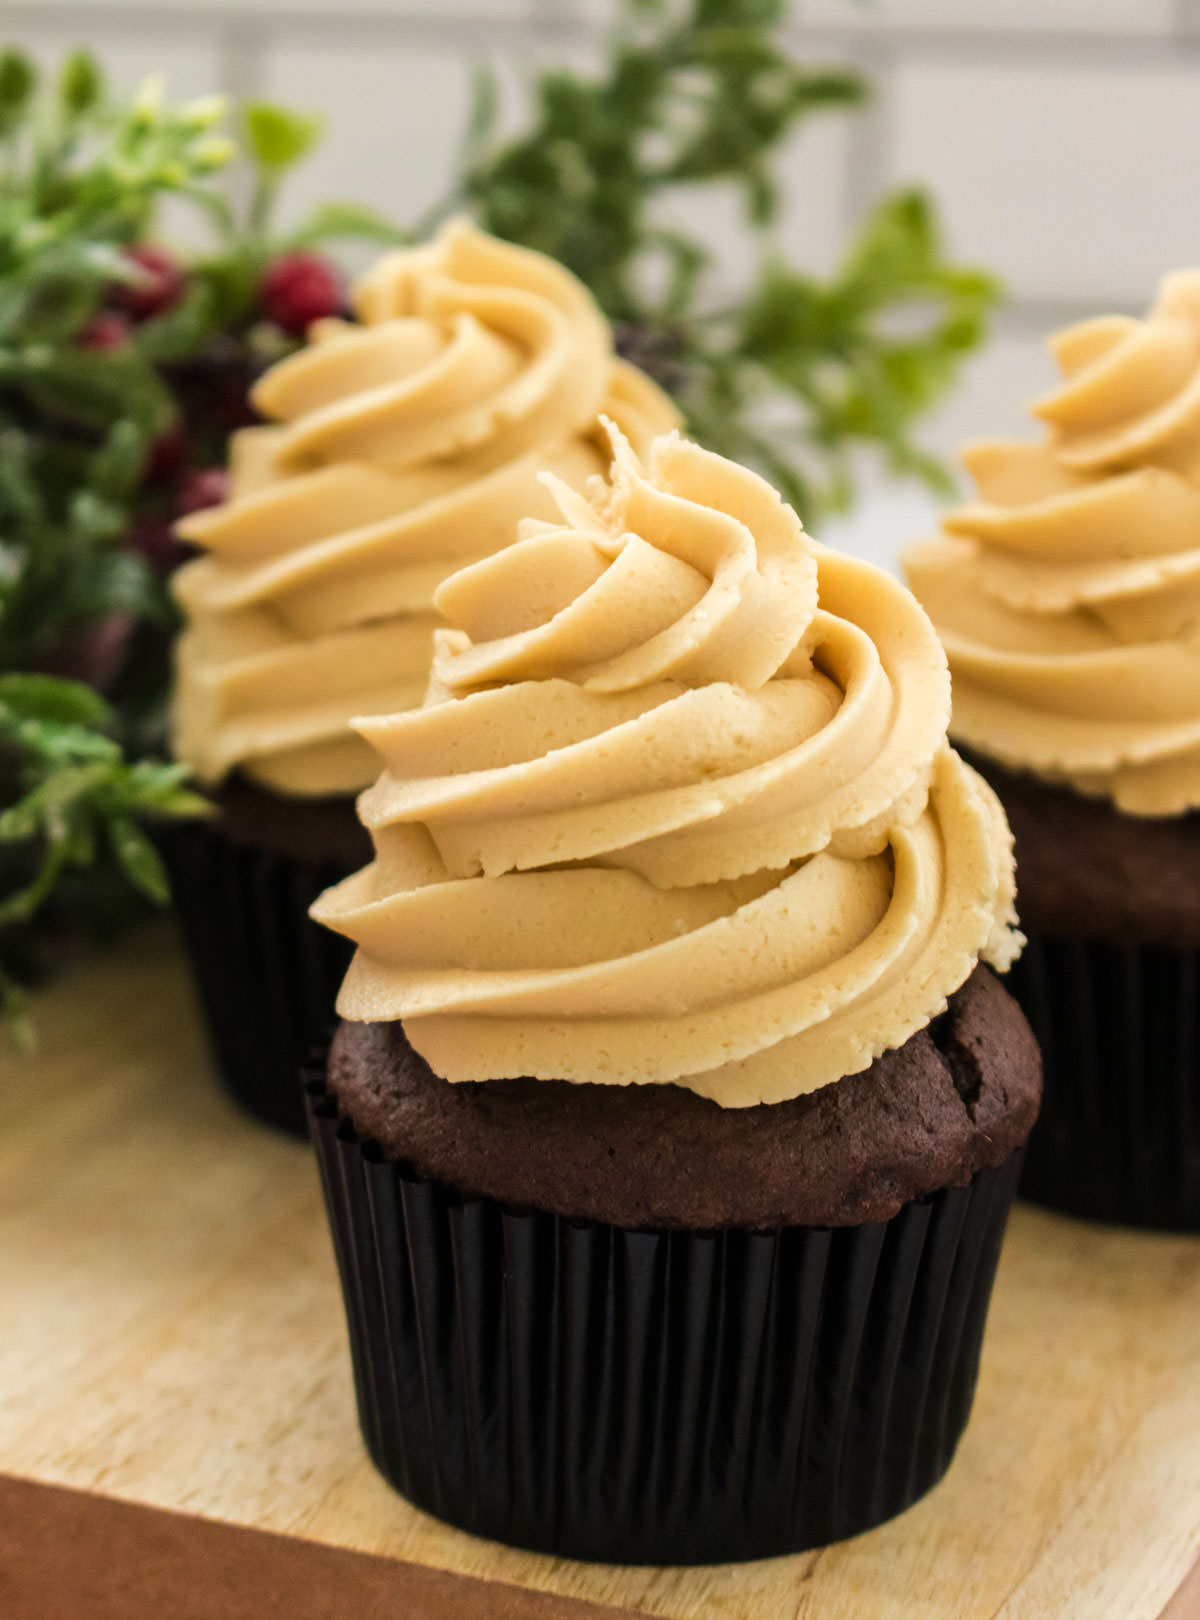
(171, 1335)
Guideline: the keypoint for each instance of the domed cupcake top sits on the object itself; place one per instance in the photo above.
(680, 807)
(405, 446)
(1068, 595)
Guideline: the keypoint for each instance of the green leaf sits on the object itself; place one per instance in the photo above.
(761, 193)
(203, 114)
(20, 821)
(209, 155)
(128, 584)
(743, 13)
(14, 1014)
(72, 777)
(182, 330)
(117, 465)
(138, 859)
(80, 84)
(93, 517)
(279, 137)
(59, 748)
(47, 697)
(334, 221)
(146, 111)
(88, 389)
(181, 804)
(18, 79)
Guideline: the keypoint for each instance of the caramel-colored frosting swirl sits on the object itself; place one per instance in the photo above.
(680, 807)
(1068, 594)
(407, 445)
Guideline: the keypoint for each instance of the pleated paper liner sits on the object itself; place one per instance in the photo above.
(267, 976)
(655, 1397)
(1119, 1134)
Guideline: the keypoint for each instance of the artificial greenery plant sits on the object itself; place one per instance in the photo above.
(796, 373)
(122, 371)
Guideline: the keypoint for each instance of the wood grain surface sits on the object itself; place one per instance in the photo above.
(172, 1335)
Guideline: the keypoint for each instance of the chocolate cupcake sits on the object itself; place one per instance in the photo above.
(1068, 597)
(400, 447)
(670, 1136)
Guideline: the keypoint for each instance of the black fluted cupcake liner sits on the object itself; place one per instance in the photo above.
(1119, 1134)
(652, 1396)
(267, 976)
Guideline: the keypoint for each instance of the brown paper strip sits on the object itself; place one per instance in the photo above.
(69, 1555)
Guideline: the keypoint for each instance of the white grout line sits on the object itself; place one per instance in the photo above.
(1080, 50)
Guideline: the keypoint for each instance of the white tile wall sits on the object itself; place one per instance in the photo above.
(303, 8)
(1080, 183)
(393, 119)
(188, 53)
(1062, 137)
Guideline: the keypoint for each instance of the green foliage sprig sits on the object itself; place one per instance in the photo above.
(79, 182)
(103, 344)
(78, 187)
(76, 797)
(802, 371)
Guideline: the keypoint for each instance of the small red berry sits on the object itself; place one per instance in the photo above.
(297, 289)
(202, 487)
(167, 454)
(159, 286)
(104, 331)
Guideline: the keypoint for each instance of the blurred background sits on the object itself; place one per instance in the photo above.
(1059, 137)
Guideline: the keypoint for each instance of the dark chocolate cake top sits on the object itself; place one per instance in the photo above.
(311, 830)
(1087, 871)
(958, 1096)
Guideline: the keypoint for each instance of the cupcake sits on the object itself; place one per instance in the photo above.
(399, 448)
(1068, 599)
(670, 1135)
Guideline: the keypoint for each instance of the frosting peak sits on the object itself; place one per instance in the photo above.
(1068, 594)
(641, 582)
(403, 446)
(679, 807)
